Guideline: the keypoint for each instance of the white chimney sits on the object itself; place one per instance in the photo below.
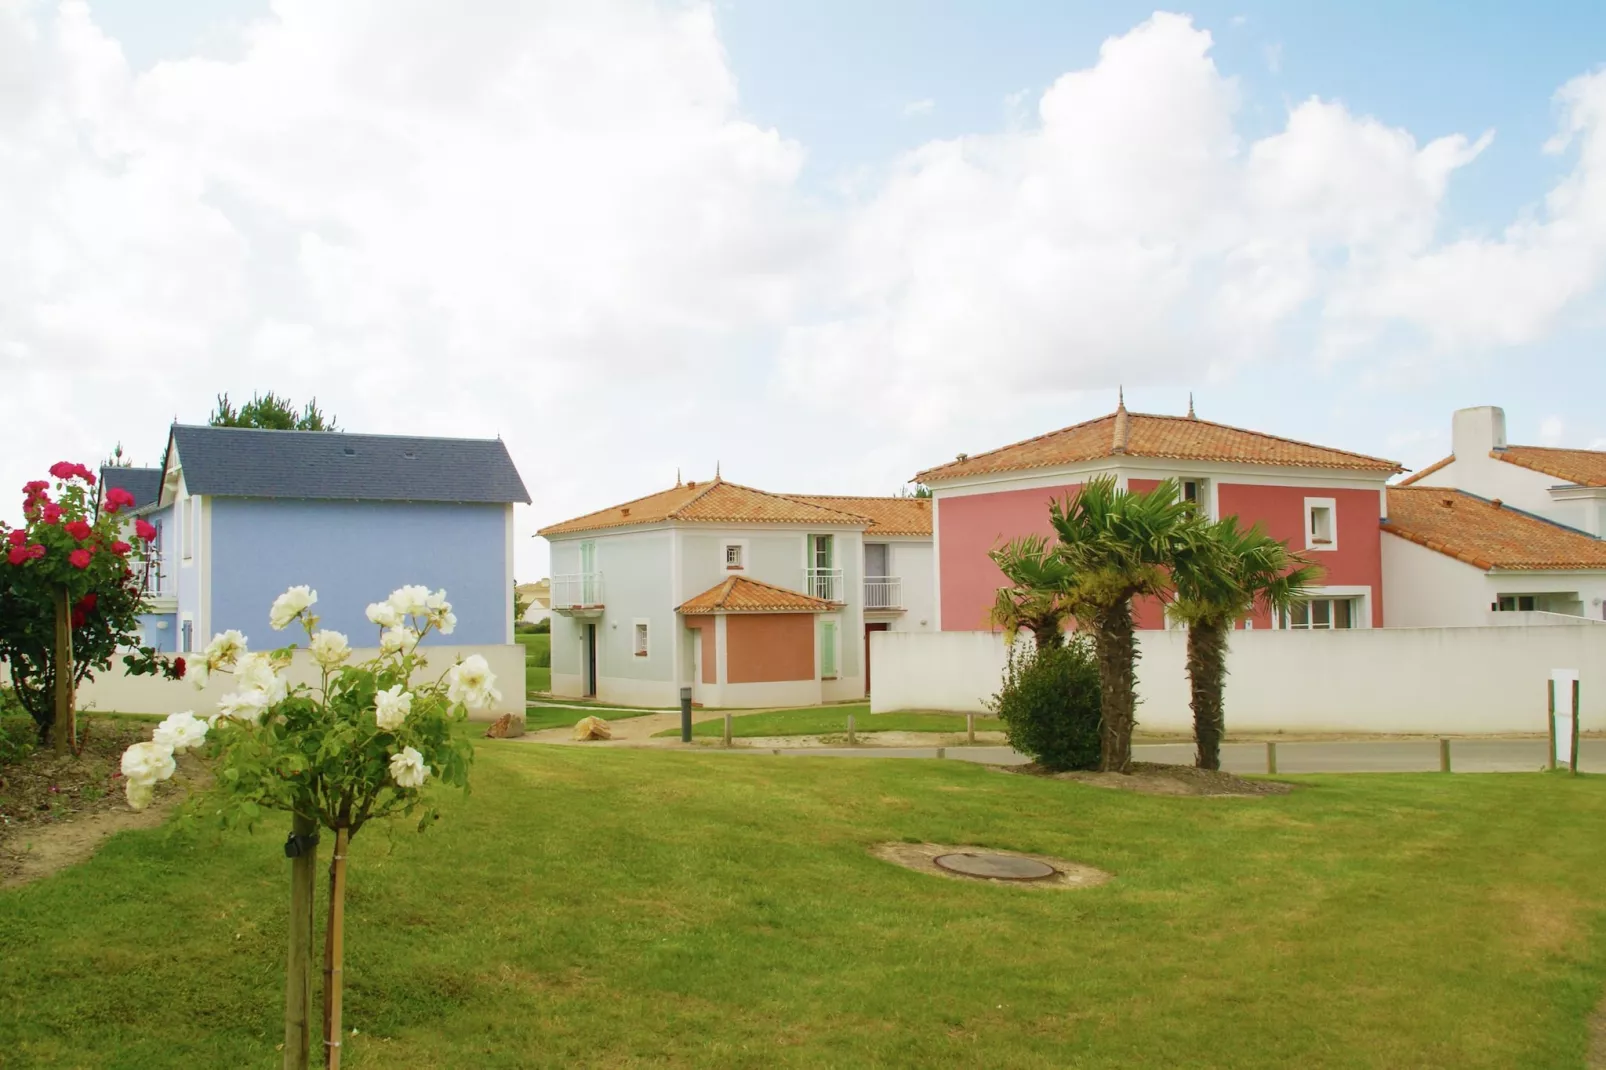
(1475, 432)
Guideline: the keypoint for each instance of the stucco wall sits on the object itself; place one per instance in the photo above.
(1427, 680)
(113, 691)
(1427, 589)
(914, 563)
(354, 553)
(968, 526)
(766, 647)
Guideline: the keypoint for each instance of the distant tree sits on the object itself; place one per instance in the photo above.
(920, 491)
(118, 459)
(272, 413)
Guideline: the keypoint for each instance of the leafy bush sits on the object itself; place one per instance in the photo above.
(17, 730)
(542, 627)
(1050, 706)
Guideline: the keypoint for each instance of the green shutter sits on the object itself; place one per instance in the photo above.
(827, 649)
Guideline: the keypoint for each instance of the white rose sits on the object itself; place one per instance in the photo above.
(139, 792)
(148, 762)
(407, 769)
(198, 675)
(472, 683)
(410, 601)
(397, 639)
(247, 705)
(225, 649)
(290, 605)
(180, 731)
(444, 621)
(384, 614)
(437, 601)
(329, 649)
(257, 673)
(391, 707)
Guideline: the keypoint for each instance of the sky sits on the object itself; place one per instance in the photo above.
(821, 246)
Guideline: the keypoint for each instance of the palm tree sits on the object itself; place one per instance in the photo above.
(1234, 572)
(1118, 545)
(1038, 596)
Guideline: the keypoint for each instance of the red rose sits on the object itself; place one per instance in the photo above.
(52, 513)
(36, 550)
(118, 498)
(79, 529)
(35, 488)
(178, 668)
(88, 601)
(144, 530)
(120, 547)
(17, 538)
(80, 558)
(18, 555)
(64, 469)
(89, 477)
(78, 618)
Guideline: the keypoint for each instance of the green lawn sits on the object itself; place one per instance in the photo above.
(537, 717)
(833, 720)
(630, 909)
(537, 648)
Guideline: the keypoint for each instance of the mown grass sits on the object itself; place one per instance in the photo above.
(537, 717)
(833, 720)
(537, 660)
(630, 908)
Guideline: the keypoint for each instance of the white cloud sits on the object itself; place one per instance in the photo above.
(920, 107)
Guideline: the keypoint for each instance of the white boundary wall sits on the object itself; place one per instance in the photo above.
(113, 691)
(1408, 680)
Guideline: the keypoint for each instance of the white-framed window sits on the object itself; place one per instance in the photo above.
(1323, 614)
(186, 636)
(641, 637)
(187, 526)
(830, 649)
(1515, 603)
(1321, 524)
(1196, 490)
(735, 555)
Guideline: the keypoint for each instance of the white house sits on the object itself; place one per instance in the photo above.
(750, 598)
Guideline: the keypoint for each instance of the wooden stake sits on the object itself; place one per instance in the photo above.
(851, 738)
(1550, 686)
(1271, 757)
(942, 752)
(63, 725)
(1574, 768)
(334, 953)
(1444, 755)
(298, 971)
(970, 728)
(727, 730)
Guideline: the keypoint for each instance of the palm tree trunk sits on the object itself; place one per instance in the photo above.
(1207, 677)
(1115, 645)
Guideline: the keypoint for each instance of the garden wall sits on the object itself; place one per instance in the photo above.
(1407, 680)
(112, 691)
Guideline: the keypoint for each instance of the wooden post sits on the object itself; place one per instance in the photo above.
(1271, 757)
(1444, 755)
(727, 730)
(298, 971)
(334, 953)
(942, 752)
(1574, 767)
(1550, 686)
(63, 725)
(851, 739)
(970, 728)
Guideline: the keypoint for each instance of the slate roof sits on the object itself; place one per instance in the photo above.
(718, 502)
(738, 594)
(145, 484)
(1487, 535)
(251, 463)
(1138, 434)
(887, 516)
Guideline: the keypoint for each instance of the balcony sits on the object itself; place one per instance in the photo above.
(824, 583)
(157, 584)
(579, 594)
(884, 593)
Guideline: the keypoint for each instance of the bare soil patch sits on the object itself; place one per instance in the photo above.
(1152, 778)
(56, 811)
(921, 857)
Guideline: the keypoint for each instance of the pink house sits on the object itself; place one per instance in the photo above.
(1326, 502)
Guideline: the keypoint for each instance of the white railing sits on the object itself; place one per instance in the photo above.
(824, 583)
(577, 590)
(158, 584)
(883, 592)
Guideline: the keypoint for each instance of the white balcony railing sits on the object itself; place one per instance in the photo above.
(578, 590)
(883, 592)
(158, 584)
(824, 583)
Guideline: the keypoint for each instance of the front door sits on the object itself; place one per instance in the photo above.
(868, 628)
(591, 661)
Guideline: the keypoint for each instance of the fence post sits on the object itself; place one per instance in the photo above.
(727, 730)
(851, 739)
(942, 752)
(1271, 757)
(685, 715)
(1550, 687)
(1574, 767)
(970, 728)
(1444, 755)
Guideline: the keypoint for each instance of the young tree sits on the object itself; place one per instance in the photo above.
(1039, 596)
(1120, 545)
(71, 592)
(271, 412)
(1233, 572)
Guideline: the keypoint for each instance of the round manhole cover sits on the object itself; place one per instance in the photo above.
(996, 867)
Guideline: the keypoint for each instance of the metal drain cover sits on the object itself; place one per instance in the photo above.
(996, 867)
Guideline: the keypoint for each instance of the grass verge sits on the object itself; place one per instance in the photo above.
(833, 720)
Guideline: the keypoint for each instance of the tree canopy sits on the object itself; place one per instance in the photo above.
(272, 413)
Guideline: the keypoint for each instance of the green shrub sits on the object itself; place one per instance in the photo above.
(18, 732)
(542, 627)
(1049, 704)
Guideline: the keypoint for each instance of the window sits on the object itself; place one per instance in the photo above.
(1322, 614)
(1197, 492)
(641, 638)
(1516, 603)
(188, 637)
(828, 649)
(1321, 524)
(821, 569)
(820, 551)
(734, 554)
(186, 524)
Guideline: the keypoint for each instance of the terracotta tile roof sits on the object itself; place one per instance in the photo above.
(738, 594)
(887, 516)
(718, 502)
(1136, 434)
(1428, 471)
(1487, 535)
(1585, 468)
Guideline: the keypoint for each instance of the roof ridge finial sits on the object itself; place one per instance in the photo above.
(677, 475)
(1120, 398)
(717, 476)
(1191, 414)
(1122, 423)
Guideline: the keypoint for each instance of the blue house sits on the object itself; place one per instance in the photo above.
(242, 514)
